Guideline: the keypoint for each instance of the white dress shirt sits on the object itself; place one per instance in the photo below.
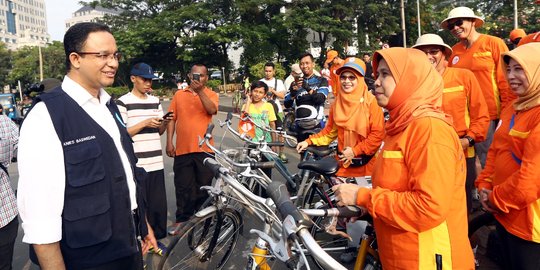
(41, 165)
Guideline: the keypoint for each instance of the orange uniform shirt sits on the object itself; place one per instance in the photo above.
(483, 60)
(534, 37)
(464, 101)
(334, 78)
(368, 145)
(418, 198)
(192, 120)
(516, 188)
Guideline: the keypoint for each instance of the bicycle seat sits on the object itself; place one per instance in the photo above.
(320, 151)
(326, 166)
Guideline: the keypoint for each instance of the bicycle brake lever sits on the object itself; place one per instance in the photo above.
(279, 249)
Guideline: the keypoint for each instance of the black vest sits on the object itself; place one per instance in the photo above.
(98, 225)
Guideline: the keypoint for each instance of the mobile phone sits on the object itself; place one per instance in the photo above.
(167, 115)
(196, 76)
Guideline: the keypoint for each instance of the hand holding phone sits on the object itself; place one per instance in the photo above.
(196, 76)
(167, 115)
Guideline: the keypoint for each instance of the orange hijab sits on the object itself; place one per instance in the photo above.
(531, 66)
(418, 91)
(351, 110)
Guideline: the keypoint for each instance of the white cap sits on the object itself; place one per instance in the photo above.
(462, 12)
(433, 39)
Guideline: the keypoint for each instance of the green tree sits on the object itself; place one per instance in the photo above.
(5, 67)
(26, 64)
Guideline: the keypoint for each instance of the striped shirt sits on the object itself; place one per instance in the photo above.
(9, 137)
(146, 143)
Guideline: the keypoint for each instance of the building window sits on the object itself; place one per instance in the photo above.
(10, 17)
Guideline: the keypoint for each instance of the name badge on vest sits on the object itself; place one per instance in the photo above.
(79, 140)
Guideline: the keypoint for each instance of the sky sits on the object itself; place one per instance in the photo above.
(57, 13)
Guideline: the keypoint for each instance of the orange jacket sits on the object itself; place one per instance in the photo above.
(418, 198)
(334, 78)
(483, 60)
(368, 145)
(534, 37)
(516, 188)
(464, 101)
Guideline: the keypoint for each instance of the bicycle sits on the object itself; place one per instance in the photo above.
(237, 101)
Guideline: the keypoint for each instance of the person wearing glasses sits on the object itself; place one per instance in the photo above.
(462, 99)
(418, 197)
(480, 53)
(510, 184)
(354, 119)
(78, 193)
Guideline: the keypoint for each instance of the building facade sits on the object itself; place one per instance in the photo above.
(89, 14)
(23, 23)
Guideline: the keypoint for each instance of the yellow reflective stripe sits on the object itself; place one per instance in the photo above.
(519, 134)
(470, 152)
(535, 208)
(495, 90)
(392, 154)
(432, 242)
(453, 89)
(480, 54)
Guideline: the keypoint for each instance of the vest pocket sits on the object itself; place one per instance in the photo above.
(84, 164)
(87, 221)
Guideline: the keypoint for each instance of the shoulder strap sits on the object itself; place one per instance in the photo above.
(4, 168)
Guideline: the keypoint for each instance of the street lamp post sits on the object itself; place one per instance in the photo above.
(418, 17)
(403, 24)
(224, 80)
(515, 15)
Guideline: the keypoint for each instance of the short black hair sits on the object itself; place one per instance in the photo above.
(307, 55)
(366, 54)
(270, 64)
(259, 84)
(76, 37)
(199, 65)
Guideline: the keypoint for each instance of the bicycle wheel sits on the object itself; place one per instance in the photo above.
(288, 122)
(372, 263)
(189, 249)
(335, 245)
(236, 101)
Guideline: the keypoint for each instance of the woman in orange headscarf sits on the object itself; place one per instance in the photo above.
(418, 200)
(354, 119)
(510, 184)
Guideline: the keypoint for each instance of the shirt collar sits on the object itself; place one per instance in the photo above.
(80, 95)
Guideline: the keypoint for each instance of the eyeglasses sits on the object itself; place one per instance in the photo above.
(350, 78)
(451, 25)
(104, 56)
(432, 51)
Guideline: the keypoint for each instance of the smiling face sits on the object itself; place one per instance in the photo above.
(92, 71)
(385, 84)
(307, 65)
(348, 81)
(517, 78)
(461, 27)
(257, 94)
(435, 55)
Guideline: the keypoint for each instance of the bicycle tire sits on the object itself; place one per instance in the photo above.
(372, 263)
(186, 250)
(288, 121)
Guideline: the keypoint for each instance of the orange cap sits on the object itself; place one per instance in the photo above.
(517, 33)
(330, 55)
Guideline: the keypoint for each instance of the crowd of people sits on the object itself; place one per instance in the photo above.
(91, 191)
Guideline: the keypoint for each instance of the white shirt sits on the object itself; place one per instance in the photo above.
(278, 86)
(41, 165)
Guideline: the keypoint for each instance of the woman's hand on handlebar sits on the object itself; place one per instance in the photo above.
(301, 146)
(346, 194)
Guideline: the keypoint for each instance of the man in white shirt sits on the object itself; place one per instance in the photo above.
(77, 193)
(276, 89)
(145, 123)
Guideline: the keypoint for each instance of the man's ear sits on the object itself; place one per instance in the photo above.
(75, 60)
(132, 78)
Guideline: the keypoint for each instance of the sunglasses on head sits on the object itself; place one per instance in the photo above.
(451, 25)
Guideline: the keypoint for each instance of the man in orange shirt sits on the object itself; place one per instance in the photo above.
(516, 35)
(335, 62)
(534, 37)
(462, 99)
(480, 54)
(192, 109)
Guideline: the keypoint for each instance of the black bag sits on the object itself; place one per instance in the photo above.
(307, 123)
(361, 160)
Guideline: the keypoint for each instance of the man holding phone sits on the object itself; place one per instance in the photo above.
(143, 115)
(193, 109)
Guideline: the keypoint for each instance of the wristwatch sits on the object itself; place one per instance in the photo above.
(470, 139)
